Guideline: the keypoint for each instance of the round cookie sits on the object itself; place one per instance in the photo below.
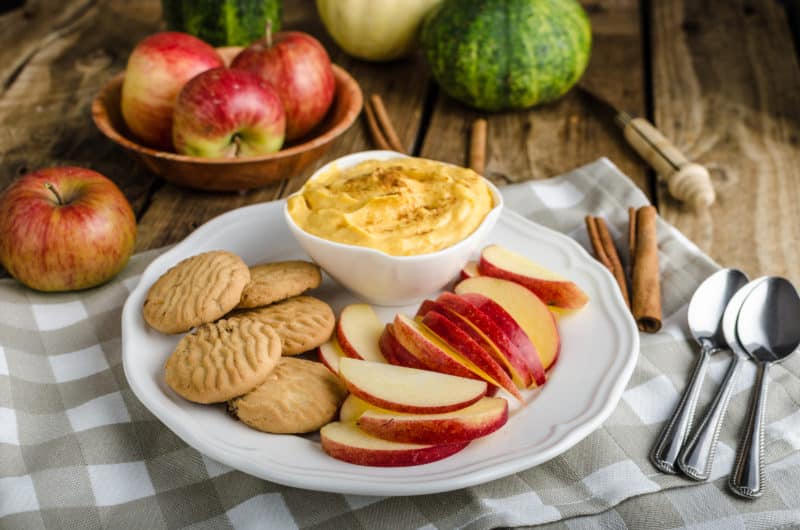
(223, 360)
(302, 322)
(298, 396)
(197, 290)
(273, 282)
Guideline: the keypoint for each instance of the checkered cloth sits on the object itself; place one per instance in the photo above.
(77, 449)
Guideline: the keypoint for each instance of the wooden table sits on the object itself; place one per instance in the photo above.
(718, 77)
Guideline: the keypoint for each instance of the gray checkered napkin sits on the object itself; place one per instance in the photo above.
(78, 450)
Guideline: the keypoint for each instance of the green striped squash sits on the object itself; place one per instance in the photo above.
(507, 54)
(223, 22)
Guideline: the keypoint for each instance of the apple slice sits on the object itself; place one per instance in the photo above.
(479, 419)
(518, 353)
(409, 389)
(330, 353)
(470, 270)
(475, 357)
(345, 441)
(359, 331)
(527, 310)
(353, 407)
(552, 288)
(395, 353)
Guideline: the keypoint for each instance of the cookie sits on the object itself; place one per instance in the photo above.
(197, 290)
(302, 322)
(273, 282)
(223, 360)
(298, 396)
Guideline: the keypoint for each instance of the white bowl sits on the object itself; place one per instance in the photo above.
(382, 279)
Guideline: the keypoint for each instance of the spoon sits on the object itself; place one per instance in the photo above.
(698, 455)
(768, 329)
(705, 318)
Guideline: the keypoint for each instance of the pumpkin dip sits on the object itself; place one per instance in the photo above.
(403, 206)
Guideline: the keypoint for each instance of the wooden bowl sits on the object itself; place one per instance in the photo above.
(229, 174)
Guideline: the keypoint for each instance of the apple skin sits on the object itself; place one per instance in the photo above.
(329, 354)
(522, 362)
(476, 421)
(470, 270)
(64, 229)
(157, 69)
(395, 352)
(484, 364)
(299, 68)
(527, 311)
(227, 113)
(346, 442)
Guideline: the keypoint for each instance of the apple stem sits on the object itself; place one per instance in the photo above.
(237, 142)
(268, 33)
(54, 191)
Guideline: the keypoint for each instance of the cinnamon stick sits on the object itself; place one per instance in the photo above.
(606, 252)
(645, 276)
(374, 130)
(386, 124)
(477, 146)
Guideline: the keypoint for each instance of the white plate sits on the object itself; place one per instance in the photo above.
(600, 345)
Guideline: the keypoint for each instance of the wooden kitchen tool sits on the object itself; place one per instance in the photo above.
(686, 181)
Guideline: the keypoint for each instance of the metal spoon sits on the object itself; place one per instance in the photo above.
(705, 319)
(698, 455)
(768, 329)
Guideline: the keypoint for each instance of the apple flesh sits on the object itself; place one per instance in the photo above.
(299, 68)
(525, 308)
(359, 332)
(463, 425)
(346, 442)
(551, 288)
(65, 228)
(470, 270)
(408, 389)
(329, 354)
(354, 406)
(157, 70)
(227, 113)
(476, 358)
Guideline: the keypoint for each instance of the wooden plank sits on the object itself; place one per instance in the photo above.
(45, 100)
(174, 213)
(726, 89)
(552, 139)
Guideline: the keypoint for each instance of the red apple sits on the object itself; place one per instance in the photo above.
(527, 311)
(157, 69)
(552, 288)
(65, 228)
(395, 353)
(470, 270)
(479, 419)
(345, 441)
(479, 361)
(517, 351)
(359, 331)
(329, 354)
(408, 389)
(299, 68)
(227, 113)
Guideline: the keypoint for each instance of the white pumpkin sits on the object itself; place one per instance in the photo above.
(375, 30)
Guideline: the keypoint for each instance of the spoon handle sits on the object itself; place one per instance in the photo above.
(665, 452)
(747, 479)
(698, 455)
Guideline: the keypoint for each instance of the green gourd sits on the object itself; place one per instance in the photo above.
(223, 22)
(507, 54)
